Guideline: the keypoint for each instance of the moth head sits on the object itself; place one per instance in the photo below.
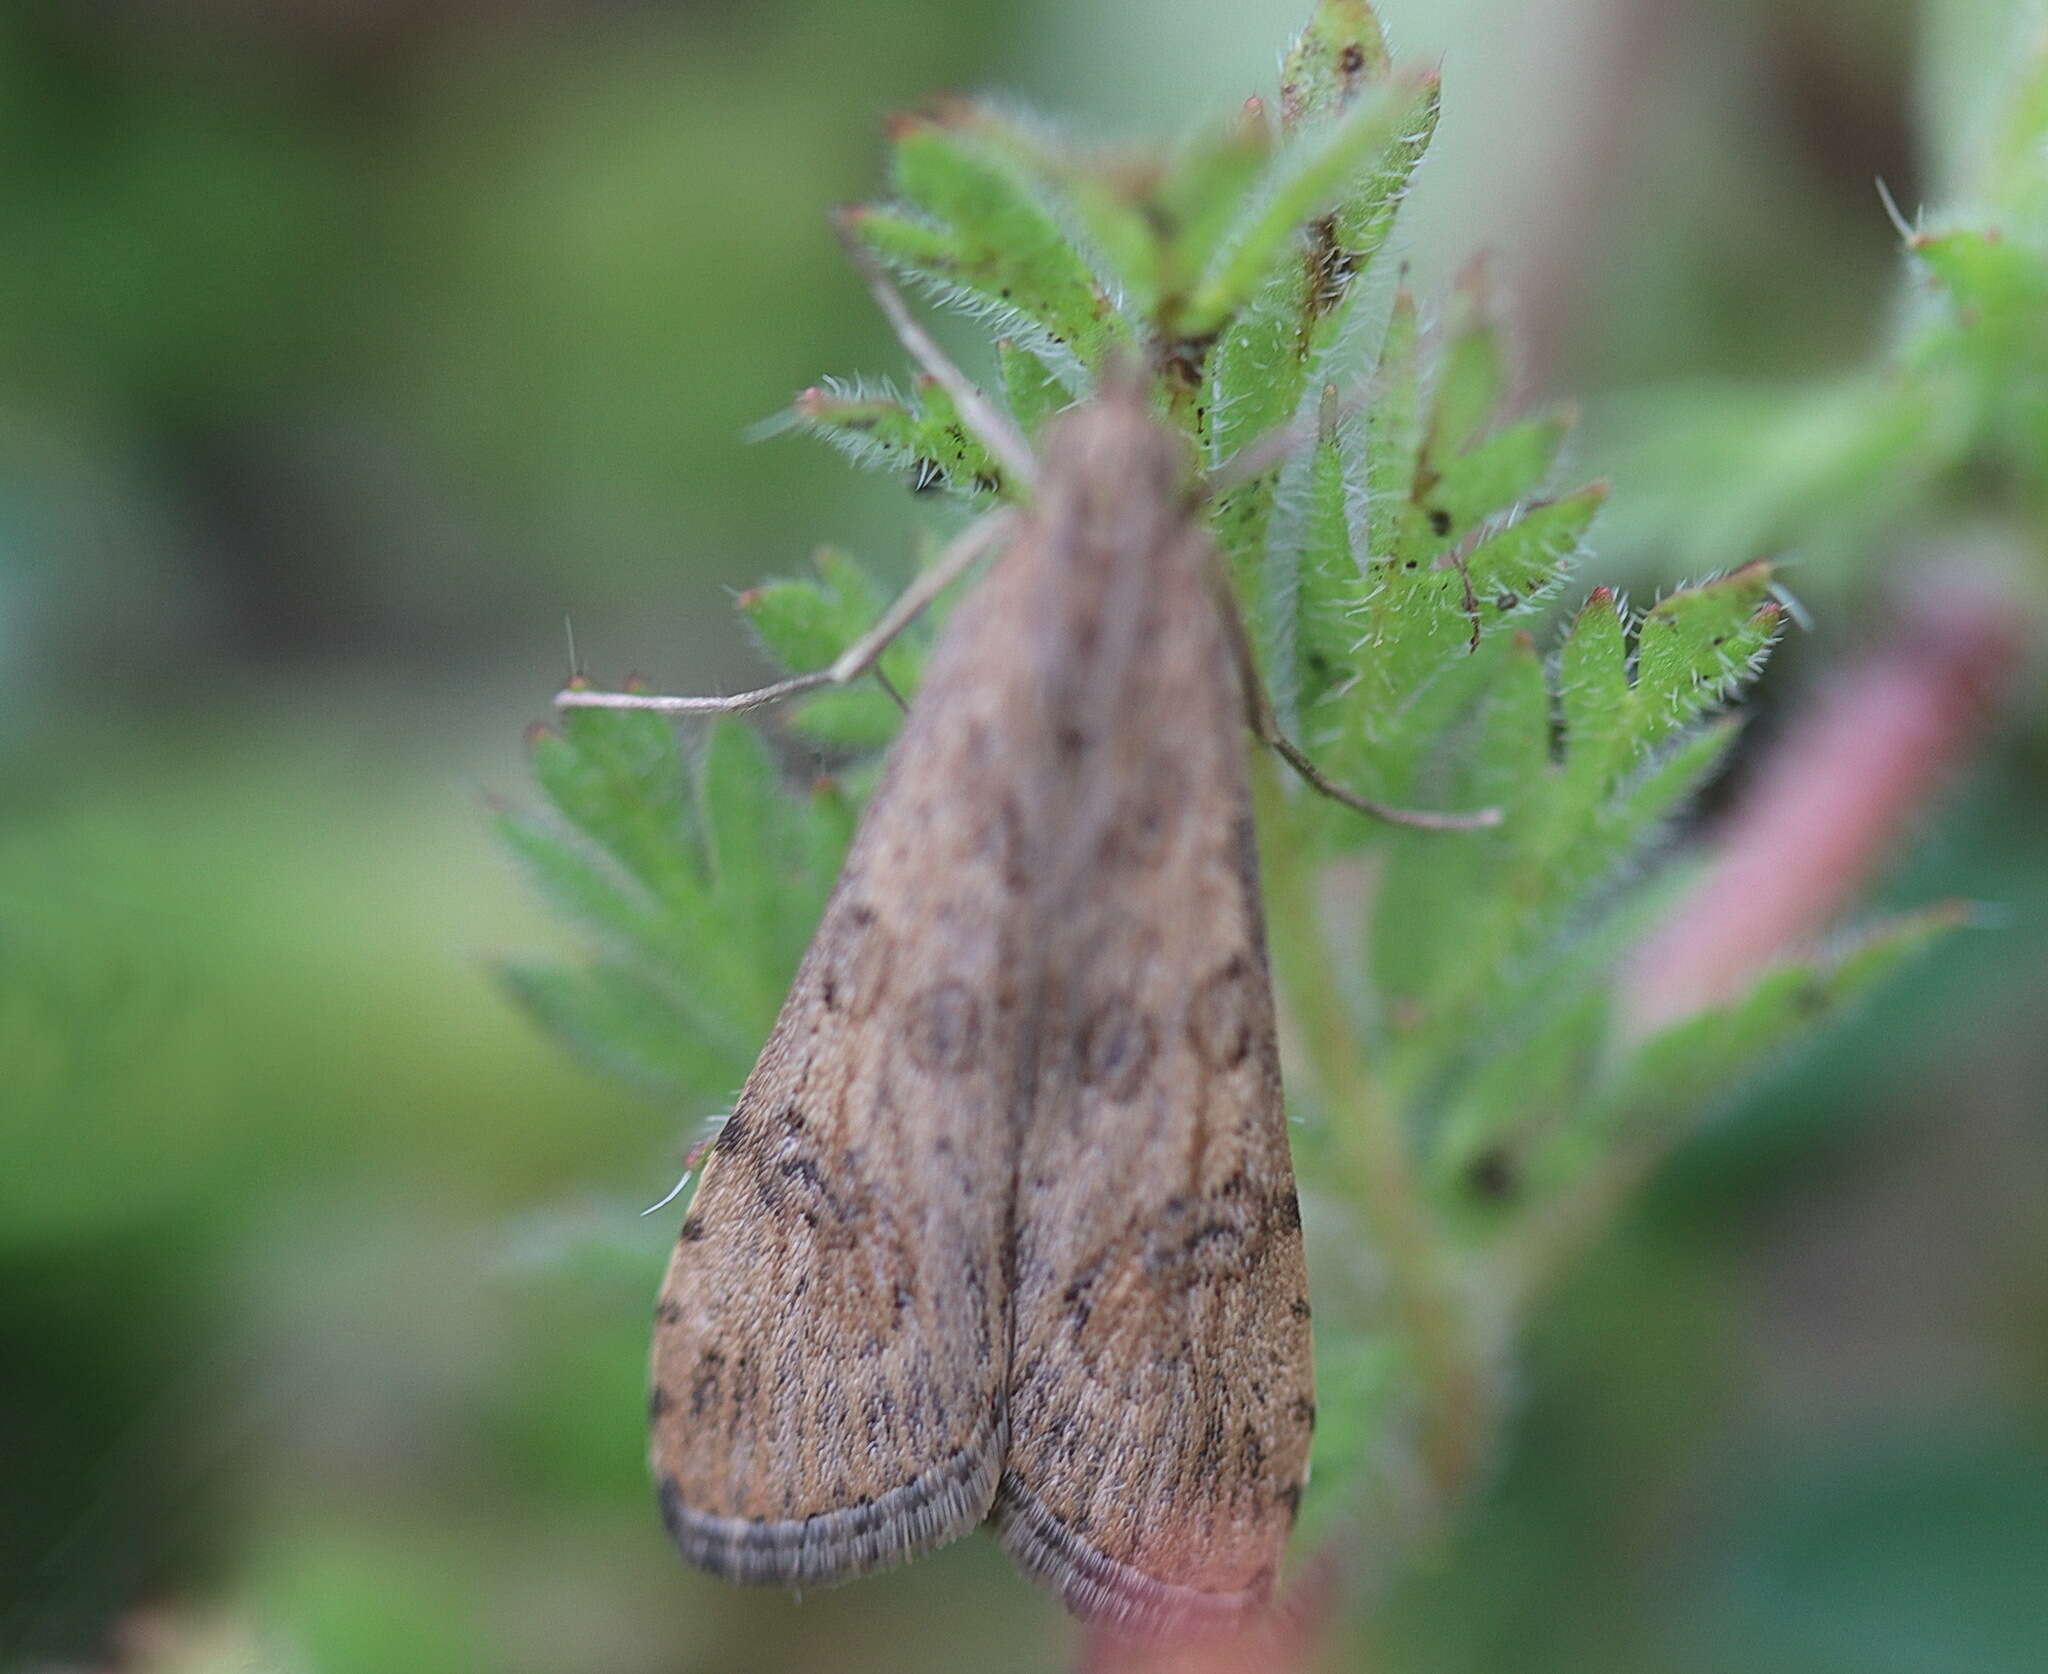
(1113, 452)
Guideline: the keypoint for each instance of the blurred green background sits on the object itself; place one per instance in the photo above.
(346, 347)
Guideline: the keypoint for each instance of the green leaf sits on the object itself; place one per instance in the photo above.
(1007, 248)
(1356, 231)
(1197, 199)
(1330, 595)
(1695, 1061)
(1650, 798)
(1528, 558)
(1697, 647)
(616, 776)
(1393, 433)
(1999, 284)
(1424, 610)
(1593, 697)
(1496, 473)
(2016, 167)
(1341, 52)
(1307, 179)
(805, 625)
(1472, 376)
(582, 887)
(1034, 394)
(1509, 753)
(1517, 1088)
(1360, 1379)
(624, 1023)
(928, 445)
(761, 866)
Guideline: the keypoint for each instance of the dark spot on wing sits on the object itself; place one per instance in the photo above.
(1117, 1047)
(1143, 827)
(856, 959)
(1221, 1014)
(942, 1029)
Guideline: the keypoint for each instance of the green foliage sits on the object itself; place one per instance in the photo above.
(806, 624)
(1949, 416)
(699, 891)
(1397, 569)
(924, 438)
(1705, 1053)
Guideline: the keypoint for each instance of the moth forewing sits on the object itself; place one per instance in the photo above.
(1161, 1392)
(1031, 1046)
(832, 1342)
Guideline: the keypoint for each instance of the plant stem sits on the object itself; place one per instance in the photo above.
(1456, 1400)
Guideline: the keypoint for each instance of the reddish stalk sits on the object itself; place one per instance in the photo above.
(1832, 803)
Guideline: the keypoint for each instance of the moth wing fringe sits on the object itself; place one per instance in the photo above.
(1098, 1588)
(830, 1546)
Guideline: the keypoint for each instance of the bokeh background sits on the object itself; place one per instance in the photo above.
(349, 346)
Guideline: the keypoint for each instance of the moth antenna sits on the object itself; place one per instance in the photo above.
(674, 1192)
(1903, 227)
(1419, 819)
(692, 1161)
(997, 433)
(979, 537)
(895, 696)
(1265, 726)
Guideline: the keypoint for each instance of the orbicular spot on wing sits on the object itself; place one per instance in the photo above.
(856, 957)
(1000, 841)
(1117, 1046)
(1226, 1013)
(942, 1029)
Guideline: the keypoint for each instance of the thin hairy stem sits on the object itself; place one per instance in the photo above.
(1456, 1398)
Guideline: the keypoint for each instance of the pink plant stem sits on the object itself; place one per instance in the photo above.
(1282, 1641)
(1831, 803)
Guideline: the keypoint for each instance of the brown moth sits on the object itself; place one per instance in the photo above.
(1003, 1225)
